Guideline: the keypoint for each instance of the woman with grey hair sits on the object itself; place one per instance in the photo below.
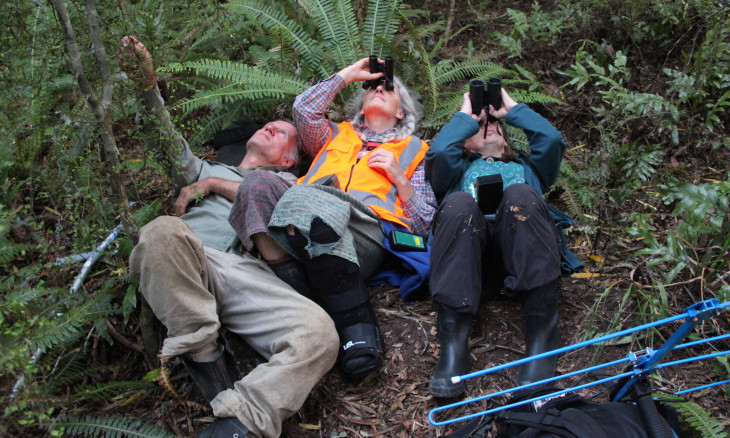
(367, 176)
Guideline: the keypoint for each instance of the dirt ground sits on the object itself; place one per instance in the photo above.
(396, 403)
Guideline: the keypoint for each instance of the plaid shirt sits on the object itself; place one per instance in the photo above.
(314, 130)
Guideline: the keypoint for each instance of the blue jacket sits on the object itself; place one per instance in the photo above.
(446, 162)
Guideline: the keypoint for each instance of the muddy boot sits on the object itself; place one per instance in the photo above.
(215, 376)
(542, 334)
(454, 360)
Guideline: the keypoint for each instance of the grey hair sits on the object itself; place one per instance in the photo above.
(404, 127)
(295, 153)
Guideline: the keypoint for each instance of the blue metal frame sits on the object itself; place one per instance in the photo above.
(644, 362)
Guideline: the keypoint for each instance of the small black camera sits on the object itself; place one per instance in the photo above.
(386, 69)
(481, 97)
(489, 193)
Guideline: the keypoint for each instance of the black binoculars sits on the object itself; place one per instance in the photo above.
(386, 69)
(481, 97)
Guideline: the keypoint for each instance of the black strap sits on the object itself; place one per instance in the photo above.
(476, 428)
(345, 301)
(570, 423)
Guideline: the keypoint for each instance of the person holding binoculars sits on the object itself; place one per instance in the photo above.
(492, 231)
(325, 234)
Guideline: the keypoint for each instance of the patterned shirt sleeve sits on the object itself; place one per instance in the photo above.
(308, 113)
(422, 205)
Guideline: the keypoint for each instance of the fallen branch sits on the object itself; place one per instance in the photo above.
(122, 340)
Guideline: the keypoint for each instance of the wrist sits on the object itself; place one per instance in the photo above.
(345, 75)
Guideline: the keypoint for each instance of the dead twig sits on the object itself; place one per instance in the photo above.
(122, 340)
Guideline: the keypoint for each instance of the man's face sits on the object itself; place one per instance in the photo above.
(379, 101)
(275, 141)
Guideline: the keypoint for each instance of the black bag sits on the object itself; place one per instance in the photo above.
(231, 142)
(572, 416)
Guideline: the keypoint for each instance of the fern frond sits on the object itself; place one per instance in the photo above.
(697, 417)
(213, 122)
(272, 19)
(643, 162)
(146, 213)
(66, 328)
(239, 74)
(421, 31)
(233, 93)
(112, 427)
(23, 296)
(10, 250)
(380, 25)
(70, 367)
(574, 207)
(164, 378)
(534, 97)
(335, 34)
(343, 8)
(109, 390)
(448, 72)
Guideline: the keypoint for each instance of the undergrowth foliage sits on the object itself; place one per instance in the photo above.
(320, 37)
(645, 86)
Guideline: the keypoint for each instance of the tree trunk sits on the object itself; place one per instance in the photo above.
(100, 109)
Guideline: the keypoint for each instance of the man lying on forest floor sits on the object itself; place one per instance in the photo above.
(192, 273)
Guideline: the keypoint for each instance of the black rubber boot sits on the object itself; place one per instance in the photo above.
(293, 274)
(215, 376)
(229, 427)
(542, 334)
(454, 360)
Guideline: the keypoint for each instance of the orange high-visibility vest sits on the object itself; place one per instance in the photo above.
(369, 186)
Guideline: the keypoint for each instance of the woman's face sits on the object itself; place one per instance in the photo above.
(382, 103)
(490, 144)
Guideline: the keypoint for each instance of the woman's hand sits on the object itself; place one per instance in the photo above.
(383, 159)
(467, 109)
(507, 104)
(359, 71)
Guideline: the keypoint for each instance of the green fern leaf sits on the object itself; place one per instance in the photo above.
(111, 427)
(697, 417)
(380, 25)
(66, 328)
(272, 19)
(337, 40)
(449, 72)
(109, 390)
(23, 296)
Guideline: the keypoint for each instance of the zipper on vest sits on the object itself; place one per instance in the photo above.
(349, 178)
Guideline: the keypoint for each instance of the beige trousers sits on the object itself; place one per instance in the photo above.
(194, 290)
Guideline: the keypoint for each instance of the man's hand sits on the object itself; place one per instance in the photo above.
(202, 188)
(137, 62)
(194, 192)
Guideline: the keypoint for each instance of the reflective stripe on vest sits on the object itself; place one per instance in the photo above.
(370, 186)
(321, 156)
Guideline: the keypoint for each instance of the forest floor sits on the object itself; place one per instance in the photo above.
(395, 402)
